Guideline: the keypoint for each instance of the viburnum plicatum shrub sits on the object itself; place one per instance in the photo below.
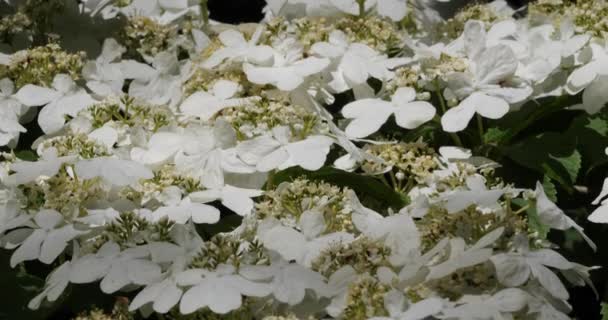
(341, 159)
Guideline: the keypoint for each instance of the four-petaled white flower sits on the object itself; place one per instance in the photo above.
(47, 241)
(10, 112)
(235, 199)
(116, 268)
(205, 105)
(370, 114)
(514, 269)
(593, 78)
(104, 75)
(220, 290)
(481, 88)
(269, 152)
(65, 98)
(237, 49)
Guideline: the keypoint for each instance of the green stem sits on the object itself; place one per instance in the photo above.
(480, 127)
(205, 12)
(361, 4)
(444, 109)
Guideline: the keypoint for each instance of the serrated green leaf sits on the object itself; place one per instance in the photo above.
(571, 163)
(549, 188)
(364, 186)
(591, 133)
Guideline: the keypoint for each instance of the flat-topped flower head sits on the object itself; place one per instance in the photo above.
(63, 192)
(365, 299)
(262, 116)
(588, 16)
(487, 13)
(413, 160)
(131, 113)
(78, 144)
(289, 201)
(231, 249)
(146, 37)
(363, 255)
(40, 65)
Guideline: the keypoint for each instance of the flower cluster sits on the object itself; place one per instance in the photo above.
(338, 160)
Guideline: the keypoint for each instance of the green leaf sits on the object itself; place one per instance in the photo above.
(549, 188)
(600, 126)
(26, 155)
(366, 187)
(591, 133)
(552, 154)
(494, 135)
(604, 311)
(534, 223)
(571, 163)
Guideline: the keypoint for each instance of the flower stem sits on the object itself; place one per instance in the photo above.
(361, 4)
(480, 127)
(444, 109)
(205, 12)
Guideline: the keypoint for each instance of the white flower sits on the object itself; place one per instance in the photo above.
(593, 78)
(495, 307)
(600, 214)
(288, 281)
(553, 217)
(291, 244)
(186, 210)
(481, 89)
(56, 283)
(220, 290)
(104, 75)
(116, 268)
(66, 98)
(235, 199)
(163, 146)
(10, 111)
(398, 231)
(514, 269)
(47, 166)
(394, 303)
(163, 11)
(237, 49)
(114, 171)
(355, 63)
(159, 84)
(597, 65)
(462, 257)
(269, 152)
(393, 9)
(370, 114)
(205, 105)
(477, 194)
(287, 73)
(47, 241)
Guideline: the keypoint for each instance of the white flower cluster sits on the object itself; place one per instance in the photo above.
(181, 123)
